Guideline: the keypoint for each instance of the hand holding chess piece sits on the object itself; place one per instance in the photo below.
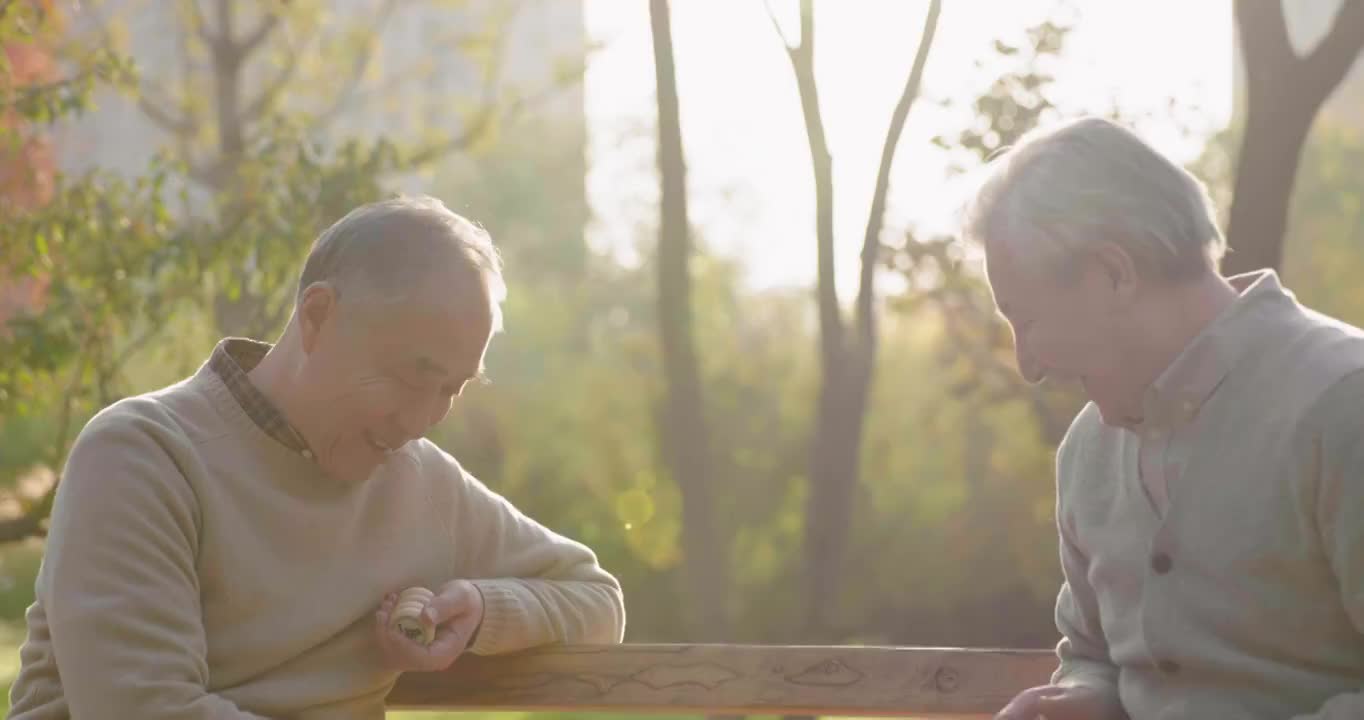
(421, 630)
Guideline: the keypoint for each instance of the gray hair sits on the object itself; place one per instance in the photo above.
(379, 252)
(1063, 189)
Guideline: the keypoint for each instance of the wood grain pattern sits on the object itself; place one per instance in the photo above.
(733, 679)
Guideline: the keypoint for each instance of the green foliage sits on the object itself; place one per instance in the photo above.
(1322, 258)
(116, 266)
(286, 192)
(110, 268)
(47, 102)
(30, 88)
(1017, 100)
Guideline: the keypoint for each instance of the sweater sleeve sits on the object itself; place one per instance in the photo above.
(1082, 649)
(538, 587)
(1337, 428)
(118, 577)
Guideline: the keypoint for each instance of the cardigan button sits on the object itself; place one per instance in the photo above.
(1161, 563)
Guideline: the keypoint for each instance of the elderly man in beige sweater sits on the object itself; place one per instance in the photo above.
(1210, 497)
(233, 546)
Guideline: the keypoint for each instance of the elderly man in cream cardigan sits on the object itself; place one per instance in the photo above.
(1210, 496)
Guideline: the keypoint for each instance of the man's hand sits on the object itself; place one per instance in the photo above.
(456, 611)
(1054, 702)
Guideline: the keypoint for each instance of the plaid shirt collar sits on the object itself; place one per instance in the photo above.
(231, 360)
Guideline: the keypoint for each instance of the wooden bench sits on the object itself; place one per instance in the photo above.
(733, 679)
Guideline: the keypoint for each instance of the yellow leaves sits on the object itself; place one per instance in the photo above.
(1326, 224)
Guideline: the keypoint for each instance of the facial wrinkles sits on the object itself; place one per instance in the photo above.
(348, 397)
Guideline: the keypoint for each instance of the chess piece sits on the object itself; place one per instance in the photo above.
(407, 615)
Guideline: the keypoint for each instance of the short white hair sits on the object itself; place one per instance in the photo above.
(381, 251)
(1063, 189)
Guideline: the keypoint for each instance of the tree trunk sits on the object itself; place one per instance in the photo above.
(1267, 167)
(227, 66)
(846, 363)
(684, 434)
(1283, 94)
(233, 316)
(829, 503)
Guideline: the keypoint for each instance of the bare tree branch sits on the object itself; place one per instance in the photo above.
(206, 173)
(357, 69)
(771, 15)
(492, 74)
(1285, 94)
(185, 143)
(201, 23)
(182, 124)
(269, 95)
(225, 46)
(803, 63)
(178, 126)
(487, 113)
(1263, 21)
(27, 525)
(261, 32)
(1333, 57)
(140, 341)
(871, 242)
(30, 91)
(482, 122)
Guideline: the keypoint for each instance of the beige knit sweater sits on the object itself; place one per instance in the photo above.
(195, 568)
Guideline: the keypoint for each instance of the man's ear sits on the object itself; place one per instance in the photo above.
(1117, 271)
(316, 307)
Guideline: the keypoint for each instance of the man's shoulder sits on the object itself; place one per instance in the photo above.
(450, 483)
(1087, 432)
(1299, 361)
(1088, 446)
(430, 458)
(1314, 341)
(438, 467)
(180, 412)
(129, 458)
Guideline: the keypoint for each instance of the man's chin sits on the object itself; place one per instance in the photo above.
(1114, 417)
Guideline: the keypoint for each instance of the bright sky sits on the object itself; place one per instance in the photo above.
(749, 170)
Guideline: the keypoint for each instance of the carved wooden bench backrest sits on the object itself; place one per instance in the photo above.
(733, 679)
